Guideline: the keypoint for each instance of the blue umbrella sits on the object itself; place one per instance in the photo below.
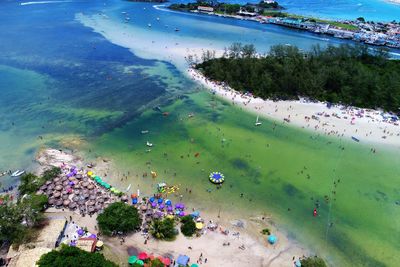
(272, 239)
(195, 214)
(152, 199)
(160, 200)
(183, 260)
(297, 263)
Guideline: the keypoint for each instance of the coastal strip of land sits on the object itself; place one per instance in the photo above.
(384, 34)
(316, 117)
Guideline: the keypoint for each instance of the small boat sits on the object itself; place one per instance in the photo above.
(149, 25)
(129, 187)
(148, 150)
(17, 173)
(176, 29)
(149, 144)
(257, 122)
(355, 139)
(144, 131)
(158, 18)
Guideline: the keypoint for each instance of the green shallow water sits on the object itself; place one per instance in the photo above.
(276, 167)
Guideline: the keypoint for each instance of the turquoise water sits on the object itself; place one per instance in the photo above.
(63, 85)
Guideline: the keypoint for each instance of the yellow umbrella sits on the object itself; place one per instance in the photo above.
(199, 225)
(170, 216)
(89, 173)
(99, 244)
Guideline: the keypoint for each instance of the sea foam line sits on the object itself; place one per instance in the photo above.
(42, 2)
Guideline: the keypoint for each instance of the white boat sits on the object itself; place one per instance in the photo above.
(144, 131)
(149, 144)
(149, 25)
(158, 18)
(129, 187)
(257, 122)
(17, 173)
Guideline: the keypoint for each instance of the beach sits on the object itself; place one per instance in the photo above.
(235, 239)
(367, 126)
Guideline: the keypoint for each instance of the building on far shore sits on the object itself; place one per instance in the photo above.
(205, 9)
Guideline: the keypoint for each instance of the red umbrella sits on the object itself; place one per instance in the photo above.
(166, 261)
(142, 256)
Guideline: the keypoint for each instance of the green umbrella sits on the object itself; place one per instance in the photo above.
(194, 265)
(132, 259)
(140, 262)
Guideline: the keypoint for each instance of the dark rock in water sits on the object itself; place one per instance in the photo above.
(397, 202)
(290, 190)
(240, 164)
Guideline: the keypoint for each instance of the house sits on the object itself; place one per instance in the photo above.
(205, 9)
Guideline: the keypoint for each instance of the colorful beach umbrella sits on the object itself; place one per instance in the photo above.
(143, 256)
(140, 262)
(199, 225)
(132, 259)
(272, 239)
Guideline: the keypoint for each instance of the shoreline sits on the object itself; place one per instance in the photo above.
(365, 125)
(243, 231)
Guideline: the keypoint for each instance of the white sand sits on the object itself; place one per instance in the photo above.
(368, 127)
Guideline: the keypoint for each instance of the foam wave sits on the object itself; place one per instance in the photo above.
(43, 2)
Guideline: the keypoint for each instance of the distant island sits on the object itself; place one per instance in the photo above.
(270, 12)
(348, 75)
(215, 7)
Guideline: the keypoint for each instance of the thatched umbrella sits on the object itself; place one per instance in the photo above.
(81, 201)
(148, 219)
(51, 201)
(72, 179)
(91, 209)
(98, 207)
(58, 183)
(50, 187)
(86, 195)
(65, 183)
(64, 192)
(82, 207)
(78, 176)
(59, 203)
(64, 197)
(90, 203)
(39, 192)
(77, 186)
(48, 182)
(43, 187)
(57, 194)
(49, 192)
(77, 191)
(58, 187)
(64, 178)
(72, 205)
(66, 202)
(75, 198)
(143, 208)
(90, 186)
(56, 179)
(100, 200)
(92, 197)
(124, 198)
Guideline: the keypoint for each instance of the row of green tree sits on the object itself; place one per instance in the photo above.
(21, 219)
(347, 74)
